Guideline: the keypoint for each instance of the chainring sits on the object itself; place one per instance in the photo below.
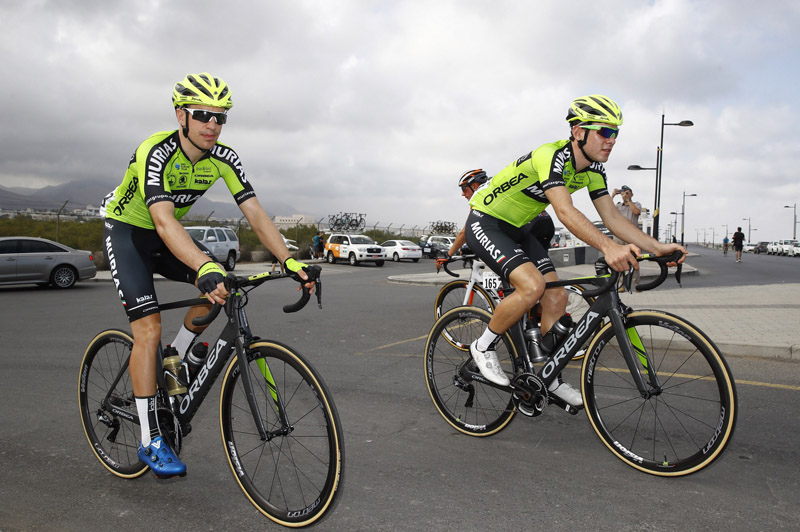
(531, 395)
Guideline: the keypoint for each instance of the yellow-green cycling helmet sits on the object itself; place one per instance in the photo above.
(594, 108)
(202, 89)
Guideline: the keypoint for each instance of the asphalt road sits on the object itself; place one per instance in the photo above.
(405, 469)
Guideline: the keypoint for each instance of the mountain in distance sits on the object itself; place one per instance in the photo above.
(79, 194)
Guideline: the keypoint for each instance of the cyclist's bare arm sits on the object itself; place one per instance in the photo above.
(623, 229)
(266, 231)
(459, 242)
(617, 256)
(180, 243)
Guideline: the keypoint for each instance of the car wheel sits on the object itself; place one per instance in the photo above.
(379, 263)
(331, 258)
(230, 264)
(415, 260)
(63, 276)
(396, 257)
(352, 259)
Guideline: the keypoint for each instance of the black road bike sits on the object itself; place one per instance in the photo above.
(656, 389)
(280, 428)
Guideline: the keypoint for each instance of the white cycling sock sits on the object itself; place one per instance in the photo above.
(148, 421)
(486, 340)
(184, 340)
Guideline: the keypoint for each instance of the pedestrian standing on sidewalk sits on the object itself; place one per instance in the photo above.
(738, 243)
(630, 210)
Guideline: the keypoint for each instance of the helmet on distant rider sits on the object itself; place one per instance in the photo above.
(202, 89)
(594, 108)
(472, 176)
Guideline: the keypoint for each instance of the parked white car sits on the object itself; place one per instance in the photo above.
(220, 241)
(794, 251)
(774, 248)
(786, 246)
(398, 250)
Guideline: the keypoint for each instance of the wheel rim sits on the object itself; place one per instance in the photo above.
(64, 277)
(677, 432)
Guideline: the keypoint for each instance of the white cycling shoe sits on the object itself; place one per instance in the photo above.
(488, 365)
(566, 392)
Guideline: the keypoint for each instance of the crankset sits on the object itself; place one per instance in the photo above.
(170, 428)
(530, 395)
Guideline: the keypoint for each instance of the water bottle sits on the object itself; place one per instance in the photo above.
(196, 357)
(172, 368)
(556, 333)
(533, 335)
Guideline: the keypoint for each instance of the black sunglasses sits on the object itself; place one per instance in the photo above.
(204, 116)
(605, 132)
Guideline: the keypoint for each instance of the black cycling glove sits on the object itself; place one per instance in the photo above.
(209, 276)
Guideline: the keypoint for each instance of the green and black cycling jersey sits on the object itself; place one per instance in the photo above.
(516, 194)
(160, 171)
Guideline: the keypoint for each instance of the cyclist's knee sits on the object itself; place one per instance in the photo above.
(528, 284)
(555, 299)
(147, 330)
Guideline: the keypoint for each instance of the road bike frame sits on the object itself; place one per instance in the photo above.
(606, 304)
(235, 336)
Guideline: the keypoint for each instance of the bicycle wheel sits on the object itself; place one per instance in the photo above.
(577, 305)
(468, 406)
(454, 294)
(688, 424)
(114, 438)
(295, 476)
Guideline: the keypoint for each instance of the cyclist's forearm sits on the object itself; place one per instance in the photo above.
(459, 242)
(265, 230)
(175, 236)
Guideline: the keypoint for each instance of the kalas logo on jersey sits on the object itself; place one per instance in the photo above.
(483, 240)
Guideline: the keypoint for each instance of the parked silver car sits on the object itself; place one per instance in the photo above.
(25, 260)
(220, 241)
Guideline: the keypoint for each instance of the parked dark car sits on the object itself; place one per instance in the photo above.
(761, 247)
(28, 260)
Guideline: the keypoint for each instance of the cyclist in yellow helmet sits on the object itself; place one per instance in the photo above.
(546, 176)
(167, 174)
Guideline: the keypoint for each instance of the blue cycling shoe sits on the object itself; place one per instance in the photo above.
(161, 459)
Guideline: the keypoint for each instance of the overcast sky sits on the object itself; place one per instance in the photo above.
(378, 107)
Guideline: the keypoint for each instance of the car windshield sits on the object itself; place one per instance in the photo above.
(361, 240)
(405, 243)
(197, 234)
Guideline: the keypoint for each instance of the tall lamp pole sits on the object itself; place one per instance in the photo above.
(794, 227)
(683, 213)
(659, 168)
(748, 228)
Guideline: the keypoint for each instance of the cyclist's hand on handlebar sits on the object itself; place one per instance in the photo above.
(668, 249)
(210, 279)
(295, 268)
(441, 261)
(622, 257)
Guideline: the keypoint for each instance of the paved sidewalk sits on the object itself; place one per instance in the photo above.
(759, 321)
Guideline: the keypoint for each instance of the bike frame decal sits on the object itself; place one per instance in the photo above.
(638, 347)
(273, 389)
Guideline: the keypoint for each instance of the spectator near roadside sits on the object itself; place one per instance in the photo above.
(738, 243)
(630, 210)
(627, 207)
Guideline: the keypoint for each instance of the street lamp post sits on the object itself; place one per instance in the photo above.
(794, 227)
(748, 229)
(675, 223)
(659, 168)
(683, 214)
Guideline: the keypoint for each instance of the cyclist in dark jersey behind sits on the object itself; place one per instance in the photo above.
(542, 226)
(519, 193)
(166, 175)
